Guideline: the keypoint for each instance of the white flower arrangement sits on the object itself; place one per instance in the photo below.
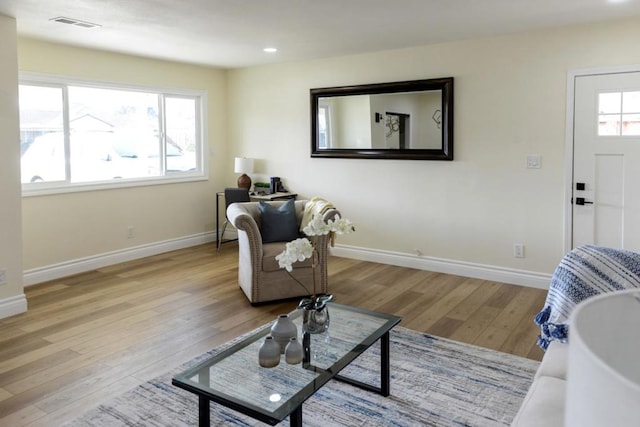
(303, 248)
(296, 250)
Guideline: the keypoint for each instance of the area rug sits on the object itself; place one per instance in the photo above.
(434, 382)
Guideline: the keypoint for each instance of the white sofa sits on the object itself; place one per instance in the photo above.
(544, 403)
(584, 272)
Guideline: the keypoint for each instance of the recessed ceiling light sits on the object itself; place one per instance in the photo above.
(76, 22)
(270, 49)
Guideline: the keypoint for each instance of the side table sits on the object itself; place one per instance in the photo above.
(271, 197)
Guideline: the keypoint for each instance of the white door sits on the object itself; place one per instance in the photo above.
(606, 162)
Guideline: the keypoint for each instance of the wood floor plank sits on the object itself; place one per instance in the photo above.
(20, 345)
(517, 342)
(32, 395)
(93, 335)
(122, 313)
(21, 360)
(37, 366)
(56, 410)
(25, 416)
(467, 307)
(517, 309)
(445, 326)
(492, 337)
(475, 324)
(4, 394)
(441, 307)
(33, 381)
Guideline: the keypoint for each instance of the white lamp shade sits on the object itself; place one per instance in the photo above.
(603, 373)
(243, 165)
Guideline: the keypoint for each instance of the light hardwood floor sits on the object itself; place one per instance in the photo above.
(94, 335)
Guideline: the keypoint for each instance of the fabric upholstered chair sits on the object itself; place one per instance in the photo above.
(259, 275)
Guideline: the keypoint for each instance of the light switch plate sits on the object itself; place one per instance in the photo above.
(3, 276)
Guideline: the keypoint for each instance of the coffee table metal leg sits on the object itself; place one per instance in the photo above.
(306, 348)
(203, 412)
(385, 370)
(295, 418)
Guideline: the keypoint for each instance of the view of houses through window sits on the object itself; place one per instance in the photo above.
(73, 134)
(619, 113)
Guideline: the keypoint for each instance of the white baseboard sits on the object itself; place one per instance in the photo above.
(13, 305)
(440, 265)
(448, 266)
(81, 265)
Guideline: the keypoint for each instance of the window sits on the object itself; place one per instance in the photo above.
(324, 127)
(619, 113)
(86, 135)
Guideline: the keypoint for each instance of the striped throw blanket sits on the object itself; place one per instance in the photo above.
(584, 272)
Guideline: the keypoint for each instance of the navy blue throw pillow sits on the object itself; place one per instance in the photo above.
(278, 224)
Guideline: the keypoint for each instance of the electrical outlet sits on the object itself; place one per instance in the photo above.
(534, 161)
(3, 276)
(131, 232)
(518, 250)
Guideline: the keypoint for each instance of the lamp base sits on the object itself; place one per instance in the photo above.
(244, 181)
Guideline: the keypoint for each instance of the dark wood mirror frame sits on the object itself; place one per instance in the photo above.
(444, 153)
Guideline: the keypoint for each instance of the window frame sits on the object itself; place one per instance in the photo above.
(58, 187)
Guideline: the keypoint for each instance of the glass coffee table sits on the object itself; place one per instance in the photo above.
(234, 378)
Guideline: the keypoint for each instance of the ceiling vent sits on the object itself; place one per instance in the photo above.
(76, 22)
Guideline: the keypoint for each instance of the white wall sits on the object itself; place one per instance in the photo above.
(355, 111)
(427, 134)
(12, 299)
(68, 228)
(510, 100)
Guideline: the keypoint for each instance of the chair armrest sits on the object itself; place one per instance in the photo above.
(240, 215)
(330, 214)
(242, 219)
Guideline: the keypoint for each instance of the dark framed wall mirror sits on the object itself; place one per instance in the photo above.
(400, 120)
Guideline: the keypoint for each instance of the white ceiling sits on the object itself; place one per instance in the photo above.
(232, 33)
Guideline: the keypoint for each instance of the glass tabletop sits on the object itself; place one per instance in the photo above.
(234, 378)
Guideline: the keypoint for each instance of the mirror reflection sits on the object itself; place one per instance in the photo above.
(401, 120)
(387, 121)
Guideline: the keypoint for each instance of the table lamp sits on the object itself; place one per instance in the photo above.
(244, 166)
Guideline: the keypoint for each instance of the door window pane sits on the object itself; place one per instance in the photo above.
(609, 125)
(609, 103)
(631, 102)
(631, 124)
(619, 113)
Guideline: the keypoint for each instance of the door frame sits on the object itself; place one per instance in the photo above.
(569, 134)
